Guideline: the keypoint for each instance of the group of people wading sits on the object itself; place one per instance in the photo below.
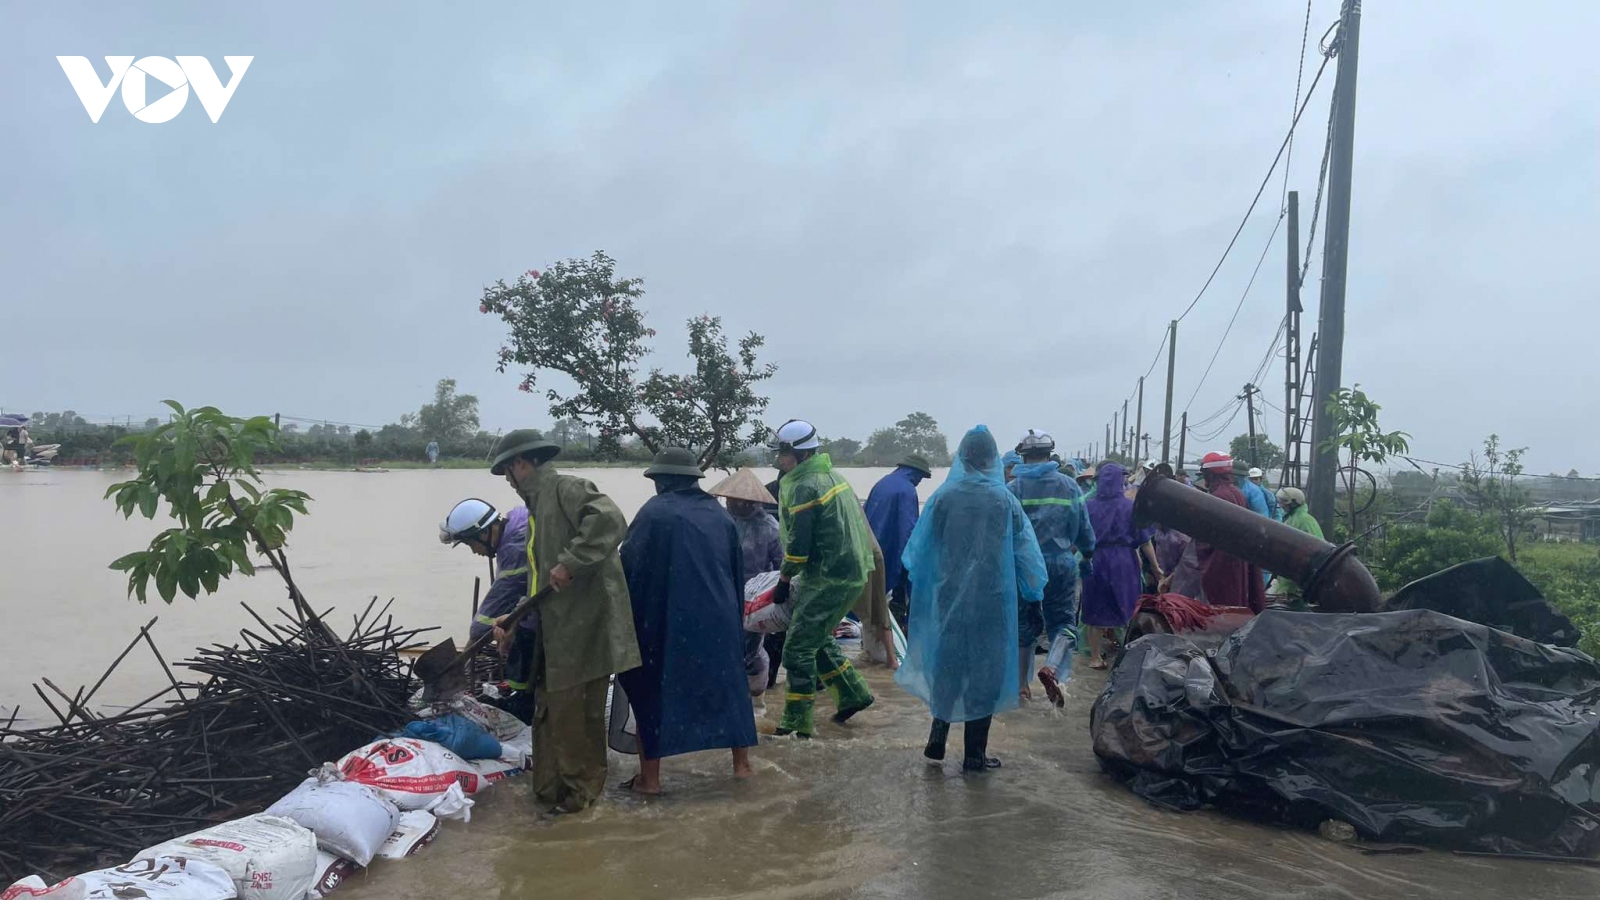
(996, 560)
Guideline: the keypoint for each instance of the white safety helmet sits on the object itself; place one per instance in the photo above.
(1291, 496)
(795, 434)
(1255, 473)
(466, 521)
(1036, 441)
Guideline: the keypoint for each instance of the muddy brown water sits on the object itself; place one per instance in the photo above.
(855, 813)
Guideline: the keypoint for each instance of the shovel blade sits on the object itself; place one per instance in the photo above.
(439, 669)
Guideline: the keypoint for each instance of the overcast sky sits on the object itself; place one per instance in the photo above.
(985, 211)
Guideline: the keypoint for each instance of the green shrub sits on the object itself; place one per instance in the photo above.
(1449, 536)
(1569, 577)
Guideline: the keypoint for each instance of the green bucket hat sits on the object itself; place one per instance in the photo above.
(517, 443)
(674, 461)
(917, 461)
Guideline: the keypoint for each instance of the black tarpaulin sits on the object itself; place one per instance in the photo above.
(1412, 726)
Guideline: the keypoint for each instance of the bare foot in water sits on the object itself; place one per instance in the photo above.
(741, 763)
(648, 781)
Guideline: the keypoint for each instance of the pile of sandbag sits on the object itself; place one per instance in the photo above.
(383, 800)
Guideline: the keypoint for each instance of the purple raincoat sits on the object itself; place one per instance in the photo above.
(1111, 592)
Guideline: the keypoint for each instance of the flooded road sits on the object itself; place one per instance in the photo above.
(855, 813)
(858, 812)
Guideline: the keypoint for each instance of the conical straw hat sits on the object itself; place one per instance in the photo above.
(743, 485)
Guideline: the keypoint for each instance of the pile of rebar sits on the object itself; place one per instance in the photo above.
(245, 728)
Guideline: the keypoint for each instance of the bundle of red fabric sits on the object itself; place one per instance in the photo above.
(1186, 614)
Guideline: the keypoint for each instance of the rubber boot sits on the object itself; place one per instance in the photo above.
(936, 740)
(975, 735)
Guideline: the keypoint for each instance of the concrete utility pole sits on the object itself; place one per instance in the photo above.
(1291, 352)
(1138, 428)
(1166, 421)
(1107, 444)
(1335, 261)
(1250, 419)
(1122, 437)
(1183, 438)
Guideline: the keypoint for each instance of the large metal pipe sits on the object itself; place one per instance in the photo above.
(1330, 576)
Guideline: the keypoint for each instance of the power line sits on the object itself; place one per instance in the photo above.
(1260, 190)
(1238, 306)
(1299, 75)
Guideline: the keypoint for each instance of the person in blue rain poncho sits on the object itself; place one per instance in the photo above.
(971, 555)
(892, 512)
(1010, 461)
(1055, 508)
(683, 562)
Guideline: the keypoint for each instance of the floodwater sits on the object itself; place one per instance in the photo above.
(857, 812)
(369, 534)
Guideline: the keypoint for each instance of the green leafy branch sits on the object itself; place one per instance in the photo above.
(202, 463)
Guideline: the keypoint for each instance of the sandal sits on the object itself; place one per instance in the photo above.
(629, 786)
(1052, 689)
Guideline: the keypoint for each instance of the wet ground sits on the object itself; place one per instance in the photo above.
(858, 812)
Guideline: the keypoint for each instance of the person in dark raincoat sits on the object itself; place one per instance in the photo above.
(1111, 588)
(892, 512)
(683, 563)
(972, 554)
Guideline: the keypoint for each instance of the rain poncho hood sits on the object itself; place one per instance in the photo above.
(892, 512)
(971, 555)
(1055, 507)
(825, 544)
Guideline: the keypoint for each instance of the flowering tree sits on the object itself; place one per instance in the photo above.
(579, 319)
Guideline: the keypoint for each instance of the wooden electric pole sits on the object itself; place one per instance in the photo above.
(1335, 262)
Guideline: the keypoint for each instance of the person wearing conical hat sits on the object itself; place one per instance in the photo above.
(747, 499)
(682, 559)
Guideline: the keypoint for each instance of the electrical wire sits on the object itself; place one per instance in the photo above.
(1259, 191)
(1238, 306)
(1299, 75)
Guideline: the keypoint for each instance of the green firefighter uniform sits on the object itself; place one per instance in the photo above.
(827, 555)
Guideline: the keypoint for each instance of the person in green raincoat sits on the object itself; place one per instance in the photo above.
(827, 559)
(585, 628)
(1295, 515)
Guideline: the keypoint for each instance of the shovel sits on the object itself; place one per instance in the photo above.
(444, 671)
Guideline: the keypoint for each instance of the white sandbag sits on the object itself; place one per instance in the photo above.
(349, 819)
(268, 857)
(34, 886)
(151, 877)
(494, 771)
(412, 774)
(332, 871)
(415, 830)
(761, 615)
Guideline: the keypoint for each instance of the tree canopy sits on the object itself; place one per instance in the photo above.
(580, 319)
